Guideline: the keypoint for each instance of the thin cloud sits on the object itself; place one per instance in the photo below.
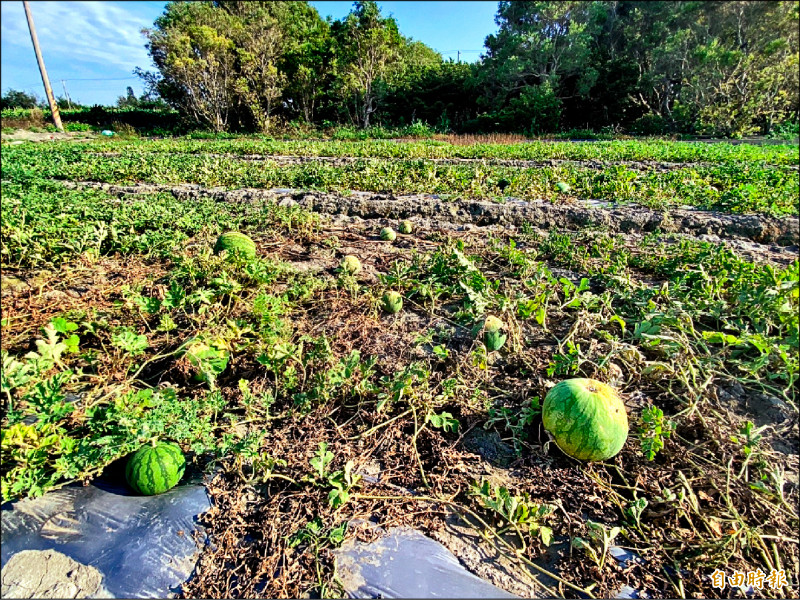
(104, 33)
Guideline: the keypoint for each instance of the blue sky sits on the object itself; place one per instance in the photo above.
(94, 46)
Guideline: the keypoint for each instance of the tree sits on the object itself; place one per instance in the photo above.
(19, 99)
(308, 59)
(129, 100)
(259, 42)
(444, 95)
(369, 46)
(196, 60)
(541, 54)
(723, 67)
(744, 75)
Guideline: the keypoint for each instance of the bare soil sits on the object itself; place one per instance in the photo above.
(763, 229)
(50, 574)
(26, 135)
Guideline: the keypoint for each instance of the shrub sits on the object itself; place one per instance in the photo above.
(650, 124)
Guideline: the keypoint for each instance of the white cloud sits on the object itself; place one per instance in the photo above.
(104, 33)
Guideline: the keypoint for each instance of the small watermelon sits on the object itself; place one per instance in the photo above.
(492, 336)
(234, 240)
(405, 227)
(562, 187)
(392, 302)
(586, 418)
(350, 264)
(154, 469)
(388, 234)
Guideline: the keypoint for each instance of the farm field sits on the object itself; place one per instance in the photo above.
(667, 269)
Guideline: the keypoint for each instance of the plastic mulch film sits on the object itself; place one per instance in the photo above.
(404, 563)
(144, 546)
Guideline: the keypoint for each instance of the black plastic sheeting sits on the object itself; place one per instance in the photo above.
(143, 545)
(404, 563)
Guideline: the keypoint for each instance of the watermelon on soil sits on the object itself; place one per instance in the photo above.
(388, 234)
(492, 336)
(586, 418)
(405, 227)
(392, 302)
(350, 264)
(155, 469)
(235, 240)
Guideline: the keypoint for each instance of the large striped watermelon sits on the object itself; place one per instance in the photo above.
(586, 418)
(154, 469)
(235, 240)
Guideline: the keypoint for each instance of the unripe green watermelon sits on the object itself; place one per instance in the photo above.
(405, 227)
(586, 418)
(155, 469)
(388, 234)
(563, 187)
(392, 302)
(235, 240)
(492, 336)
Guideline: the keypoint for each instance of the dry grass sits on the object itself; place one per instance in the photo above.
(468, 139)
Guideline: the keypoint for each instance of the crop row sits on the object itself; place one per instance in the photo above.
(729, 188)
(536, 150)
(46, 225)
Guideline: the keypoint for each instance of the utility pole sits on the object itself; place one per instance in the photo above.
(459, 56)
(66, 94)
(48, 90)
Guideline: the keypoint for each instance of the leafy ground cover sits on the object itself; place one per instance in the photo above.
(740, 188)
(635, 150)
(307, 407)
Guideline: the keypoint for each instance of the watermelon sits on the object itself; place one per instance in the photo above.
(154, 469)
(234, 240)
(388, 234)
(350, 264)
(562, 187)
(405, 227)
(392, 302)
(586, 418)
(492, 337)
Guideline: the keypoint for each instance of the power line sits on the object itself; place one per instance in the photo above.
(38, 83)
(104, 79)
